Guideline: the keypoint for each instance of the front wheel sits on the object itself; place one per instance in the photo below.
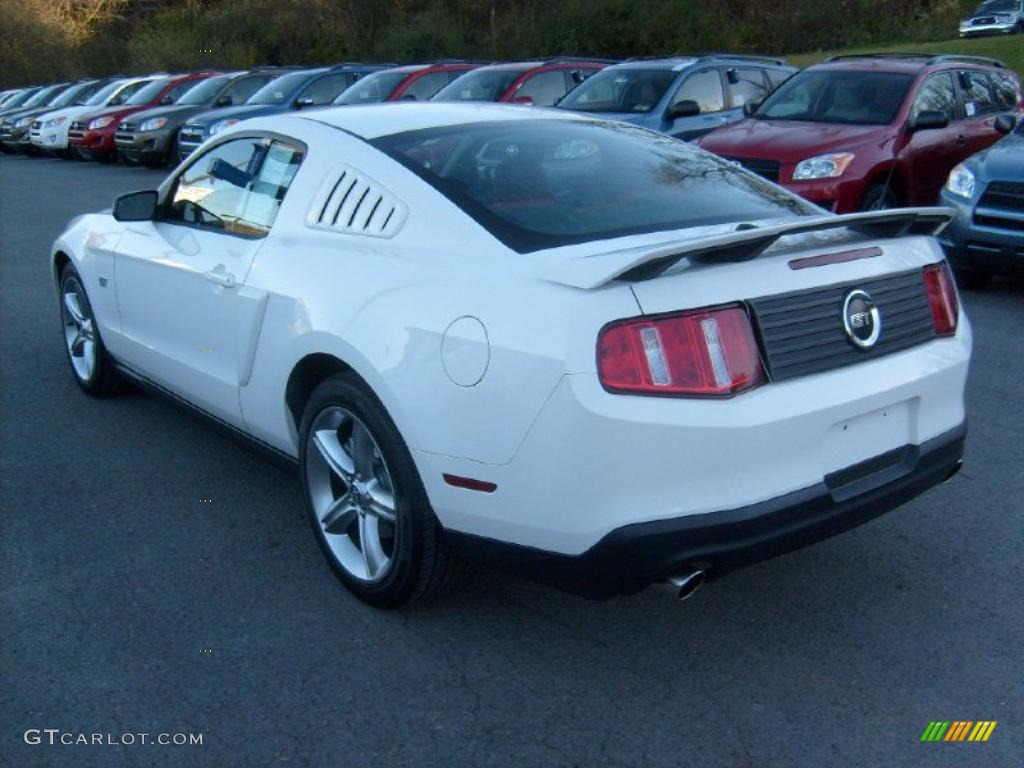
(365, 500)
(90, 364)
(878, 197)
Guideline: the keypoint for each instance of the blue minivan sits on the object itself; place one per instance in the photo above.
(683, 96)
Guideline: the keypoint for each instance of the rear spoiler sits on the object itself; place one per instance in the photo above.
(747, 241)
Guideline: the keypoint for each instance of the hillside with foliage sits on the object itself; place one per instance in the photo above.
(48, 39)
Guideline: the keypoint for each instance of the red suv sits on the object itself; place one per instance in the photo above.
(92, 135)
(873, 131)
(542, 83)
(414, 82)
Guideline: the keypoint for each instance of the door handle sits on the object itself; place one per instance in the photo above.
(220, 277)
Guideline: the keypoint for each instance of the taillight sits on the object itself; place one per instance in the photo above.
(942, 298)
(704, 353)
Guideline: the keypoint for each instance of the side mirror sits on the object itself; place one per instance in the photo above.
(168, 99)
(1005, 123)
(225, 101)
(305, 101)
(685, 108)
(732, 76)
(136, 206)
(929, 119)
(750, 108)
(524, 100)
(408, 97)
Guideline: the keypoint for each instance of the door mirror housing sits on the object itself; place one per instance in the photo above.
(750, 108)
(929, 119)
(168, 99)
(136, 206)
(305, 101)
(525, 100)
(685, 108)
(1005, 123)
(225, 101)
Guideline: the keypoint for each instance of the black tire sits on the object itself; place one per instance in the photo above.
(103, 380)
(879, 197)
(972, 279)
(423, 564)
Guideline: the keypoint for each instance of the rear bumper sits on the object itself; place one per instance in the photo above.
(630, 558)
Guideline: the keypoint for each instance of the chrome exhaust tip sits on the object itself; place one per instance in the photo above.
(684, 584)
(954, 471)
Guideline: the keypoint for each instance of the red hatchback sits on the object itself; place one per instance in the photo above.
(542, 83)
(873, 131)
(92, 135)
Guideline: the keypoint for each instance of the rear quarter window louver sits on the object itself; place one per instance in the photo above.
(352, 203)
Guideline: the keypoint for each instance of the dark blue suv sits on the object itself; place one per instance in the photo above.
(683, 96)
(987, 192)
(296, 90)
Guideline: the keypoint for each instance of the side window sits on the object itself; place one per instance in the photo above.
(978, 98)
(236, 188)
(748, 85)
(240, 90)
(545, 88)
(325, 89)
(936, 93)
(705, 88)
(426, 86)
(1005, 91)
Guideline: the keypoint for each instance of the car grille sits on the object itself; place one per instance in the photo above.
(1004, 194)
(127, 128)
(191, 134)
(767, 168)
(984, 20)
(37, 125)
(802, 332)
(77, 130)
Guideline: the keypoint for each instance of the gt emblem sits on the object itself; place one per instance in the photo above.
(861, 319)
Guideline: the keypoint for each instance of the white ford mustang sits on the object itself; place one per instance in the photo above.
(587, 352)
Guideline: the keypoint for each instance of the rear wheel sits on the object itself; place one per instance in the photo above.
(878, 198)
(365, 500)
(91, 365)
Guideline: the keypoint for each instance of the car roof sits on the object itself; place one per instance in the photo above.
(679, 62)
(372, 121)
(910, 63)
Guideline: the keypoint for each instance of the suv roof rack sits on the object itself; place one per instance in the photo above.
(712, 55)
(562, 58)
(930, 58)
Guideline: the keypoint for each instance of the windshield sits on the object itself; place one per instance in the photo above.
(68, 96)
(620, 90)
(838, 96)
(277, 91)
(21, 98)
(206, 91)
(148, 93)
(998, 6)
(104, 93)
(481, 85)
(43, 96)
(537, 184)
(372, 88)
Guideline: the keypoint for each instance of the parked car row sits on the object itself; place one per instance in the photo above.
(857, 132)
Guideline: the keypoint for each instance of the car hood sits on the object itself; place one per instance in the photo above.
(790, 141)
(67, 112)
(241, 112)
(1004, 160)
(119, 112)
(176, 114)
(18, 114)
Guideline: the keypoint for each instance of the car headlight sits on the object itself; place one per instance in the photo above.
(24, 122)
(100, 122)
(54, 122)
(961, 182)
(822, 167)
(153, 124)
(222, 124)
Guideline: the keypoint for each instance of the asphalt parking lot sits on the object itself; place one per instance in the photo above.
(132, 604)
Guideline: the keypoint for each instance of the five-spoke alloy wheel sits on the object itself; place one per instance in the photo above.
(90, 363)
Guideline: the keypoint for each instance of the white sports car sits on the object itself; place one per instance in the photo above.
(584, 351)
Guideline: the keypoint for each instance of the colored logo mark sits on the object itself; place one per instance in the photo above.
(958, 730)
